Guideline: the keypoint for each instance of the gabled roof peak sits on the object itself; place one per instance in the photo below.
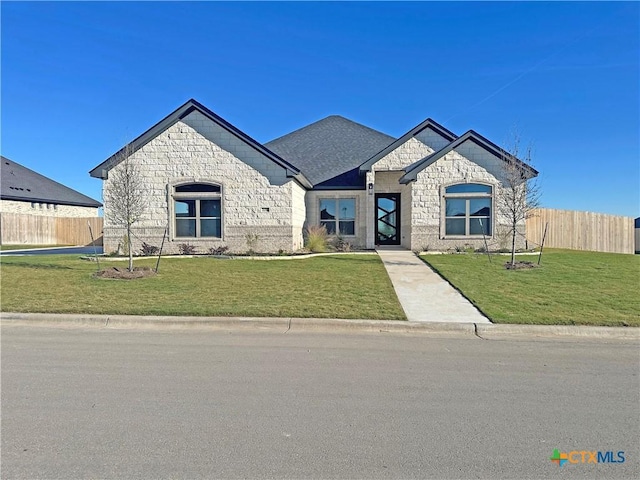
(426, 124)
(412, 171)
(188, 107)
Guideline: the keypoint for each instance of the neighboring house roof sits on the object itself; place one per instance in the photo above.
(22, 184)
(637, 222)
(412, 170)
(192, 105)
(330, 150)
(427, 124)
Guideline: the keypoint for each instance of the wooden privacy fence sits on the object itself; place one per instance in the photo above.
(19, 229)
(581, 231)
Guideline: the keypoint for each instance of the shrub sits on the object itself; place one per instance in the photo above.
(341, 245)
(186, 249)
(221, 250)
(317, 238)
(148, 250)
(252, 242)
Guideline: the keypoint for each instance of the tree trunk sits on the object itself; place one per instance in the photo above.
(130, 248)
(513, 246)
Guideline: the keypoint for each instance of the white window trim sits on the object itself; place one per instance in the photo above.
(466, 196)
(194, 196)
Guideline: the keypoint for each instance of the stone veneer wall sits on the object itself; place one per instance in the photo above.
(47, 209)
(422, 202)
(409, 152)
(469, 163)
(313, 211)
(257, 197)
(385, 175)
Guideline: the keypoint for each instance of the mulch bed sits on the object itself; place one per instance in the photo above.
(520, 265)
(124, 274)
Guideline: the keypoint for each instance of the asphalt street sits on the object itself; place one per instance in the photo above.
(106, 403)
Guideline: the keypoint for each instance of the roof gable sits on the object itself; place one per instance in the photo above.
(20, 183)
(329, 149)
(412, 171)
(190, 106)
(428, 124)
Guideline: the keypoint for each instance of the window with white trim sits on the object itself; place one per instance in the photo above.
(338, 215)
(197, 211)
(468, 209)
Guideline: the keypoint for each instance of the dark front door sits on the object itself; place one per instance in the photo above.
(387, 219)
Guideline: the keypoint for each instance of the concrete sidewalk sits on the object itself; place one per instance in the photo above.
(423, 294)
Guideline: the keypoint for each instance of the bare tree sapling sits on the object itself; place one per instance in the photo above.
(125, 196)
(519, 194)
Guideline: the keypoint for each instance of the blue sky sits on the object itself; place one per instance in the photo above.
(80, 79)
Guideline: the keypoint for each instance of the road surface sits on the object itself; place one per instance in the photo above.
(104, 403)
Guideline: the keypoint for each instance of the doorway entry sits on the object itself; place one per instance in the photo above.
(387, 219)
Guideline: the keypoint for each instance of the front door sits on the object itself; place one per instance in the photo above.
(387, 219)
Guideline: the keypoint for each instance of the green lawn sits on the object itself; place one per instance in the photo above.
(570, 287)
(341, 286)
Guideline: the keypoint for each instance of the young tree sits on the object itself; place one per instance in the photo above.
(520, 191)
(125, 196)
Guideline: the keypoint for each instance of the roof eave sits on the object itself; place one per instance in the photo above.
(93, 204)
(411, 172)
(101, 171)
(428, 123)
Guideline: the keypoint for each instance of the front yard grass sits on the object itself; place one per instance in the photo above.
(570, 287)
(344, 286)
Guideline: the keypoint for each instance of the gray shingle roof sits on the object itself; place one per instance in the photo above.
(329, 148)
(20, 183)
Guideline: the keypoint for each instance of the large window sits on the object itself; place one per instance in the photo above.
(197, 210)
(467, 209)
(338, 215)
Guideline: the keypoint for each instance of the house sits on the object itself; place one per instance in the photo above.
(208, 184)
(23, 191)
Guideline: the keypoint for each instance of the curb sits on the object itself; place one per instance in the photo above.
(278, 324)
(497, 331)
(283, 325)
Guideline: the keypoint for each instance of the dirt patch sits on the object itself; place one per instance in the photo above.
(520, 265)
(124, 274)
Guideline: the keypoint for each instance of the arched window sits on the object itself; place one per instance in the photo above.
(468, 209)
(197, 210)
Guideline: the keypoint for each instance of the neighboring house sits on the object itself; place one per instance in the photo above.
(637, 234)
(210, 184)
(24, 191)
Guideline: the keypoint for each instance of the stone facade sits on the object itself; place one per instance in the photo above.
(261, 207)
(422, 201)
(47, 209)
(409, 152)
(467, 164)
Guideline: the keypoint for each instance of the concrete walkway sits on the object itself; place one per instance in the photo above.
(423, 294)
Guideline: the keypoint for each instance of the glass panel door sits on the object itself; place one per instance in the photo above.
(388, 219)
